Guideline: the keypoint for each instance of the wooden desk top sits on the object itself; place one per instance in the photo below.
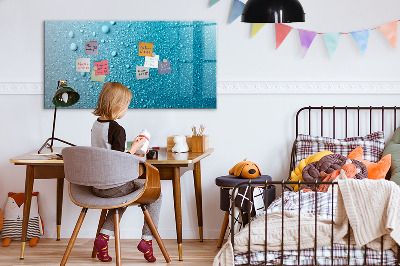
(164, 157)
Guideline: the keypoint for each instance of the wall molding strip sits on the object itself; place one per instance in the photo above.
(259, 87)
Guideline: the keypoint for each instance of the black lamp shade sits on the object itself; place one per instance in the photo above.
(273, 11)
(65, 96)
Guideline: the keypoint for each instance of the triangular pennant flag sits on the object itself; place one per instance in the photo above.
(237, 9)
(281, 31)
(332, 41)
(361, 37)
(213, 2)
(390, 32)
(256, 27)
(306, 39)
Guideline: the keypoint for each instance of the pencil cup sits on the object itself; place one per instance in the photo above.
(200, 143)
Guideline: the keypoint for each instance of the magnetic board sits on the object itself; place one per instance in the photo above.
(166, 64)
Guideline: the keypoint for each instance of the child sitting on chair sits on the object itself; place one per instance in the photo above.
(106, 133)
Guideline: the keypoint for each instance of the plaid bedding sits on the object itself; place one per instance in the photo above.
(322, 207)
(324, 257)
(372, 145)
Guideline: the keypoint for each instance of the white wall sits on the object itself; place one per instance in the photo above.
(258, 127)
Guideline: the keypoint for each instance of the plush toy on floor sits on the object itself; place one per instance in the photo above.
(13, 215)
(245, 169)
(1, 219)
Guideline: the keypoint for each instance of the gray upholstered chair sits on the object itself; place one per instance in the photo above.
(85, 167)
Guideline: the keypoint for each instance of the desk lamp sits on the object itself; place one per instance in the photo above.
(63, 97)
(273, 11)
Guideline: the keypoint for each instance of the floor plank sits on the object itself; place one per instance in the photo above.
(49, 252)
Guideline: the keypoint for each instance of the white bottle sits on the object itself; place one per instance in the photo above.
(144, 134)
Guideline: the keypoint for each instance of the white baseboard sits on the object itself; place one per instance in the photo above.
(259, 87)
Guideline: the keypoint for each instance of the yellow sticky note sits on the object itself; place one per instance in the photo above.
(145, 48)
(99, 78)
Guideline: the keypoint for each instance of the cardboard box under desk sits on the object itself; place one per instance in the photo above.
(195, 143)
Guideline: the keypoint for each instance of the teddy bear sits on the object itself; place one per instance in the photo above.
(180, 144)
(245, 169)
(13, 215)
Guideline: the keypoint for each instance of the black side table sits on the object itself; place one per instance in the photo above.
(226, 183)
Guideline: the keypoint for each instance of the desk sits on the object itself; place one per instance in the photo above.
(170, 165)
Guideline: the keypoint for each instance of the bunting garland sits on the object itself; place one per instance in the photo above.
(256, 27)
(361, 37)
(237, 8)
(306, 39)
(281, 31)
(213, 2)
(332, 41)
(389, 30)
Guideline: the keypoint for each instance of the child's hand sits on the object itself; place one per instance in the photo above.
(142, 155)
(137, 144)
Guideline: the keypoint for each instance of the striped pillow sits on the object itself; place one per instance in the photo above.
(372, 145)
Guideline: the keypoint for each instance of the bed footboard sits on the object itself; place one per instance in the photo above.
(309, 256)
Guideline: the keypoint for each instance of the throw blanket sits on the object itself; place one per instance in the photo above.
(373, 209)
(371, 206)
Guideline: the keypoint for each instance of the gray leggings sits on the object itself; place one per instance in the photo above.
(154, 208)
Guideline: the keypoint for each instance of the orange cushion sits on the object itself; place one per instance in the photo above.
(375, 170)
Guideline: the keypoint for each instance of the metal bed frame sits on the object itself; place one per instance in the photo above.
(283, 184)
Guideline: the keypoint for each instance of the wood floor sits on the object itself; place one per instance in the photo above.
(50, 252)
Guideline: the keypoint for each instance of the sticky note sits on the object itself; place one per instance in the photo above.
(164, 67)
(145, 48)
(100, 78)
(142, 72)
(83, 65)
(102, 68)
(91, 48)
(151, 62)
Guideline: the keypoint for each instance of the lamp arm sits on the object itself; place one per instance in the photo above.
(54, 126)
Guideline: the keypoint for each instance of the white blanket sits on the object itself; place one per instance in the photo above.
(371, 206)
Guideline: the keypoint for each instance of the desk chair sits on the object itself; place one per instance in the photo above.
(85, 167)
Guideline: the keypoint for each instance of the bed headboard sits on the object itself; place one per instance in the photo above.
(344, 121)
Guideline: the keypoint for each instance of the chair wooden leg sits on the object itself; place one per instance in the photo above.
(73, 237)
(117, 239)
(101, 222)
(154, 230)
(223, 229)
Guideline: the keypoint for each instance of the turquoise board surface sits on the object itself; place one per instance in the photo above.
(190, 47)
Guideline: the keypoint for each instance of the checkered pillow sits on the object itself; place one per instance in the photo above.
(372, 145)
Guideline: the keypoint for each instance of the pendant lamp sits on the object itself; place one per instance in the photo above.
(63, 97)
(273, 11)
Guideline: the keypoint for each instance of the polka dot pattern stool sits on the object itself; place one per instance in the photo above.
(226, 183)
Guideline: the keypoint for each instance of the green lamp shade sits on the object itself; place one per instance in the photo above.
(65, 96)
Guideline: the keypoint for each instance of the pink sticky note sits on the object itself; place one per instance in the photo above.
(102, 68)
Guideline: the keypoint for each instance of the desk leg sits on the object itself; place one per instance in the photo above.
(60, 190)
(176, 183)
(197, 189)
(27, 206)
